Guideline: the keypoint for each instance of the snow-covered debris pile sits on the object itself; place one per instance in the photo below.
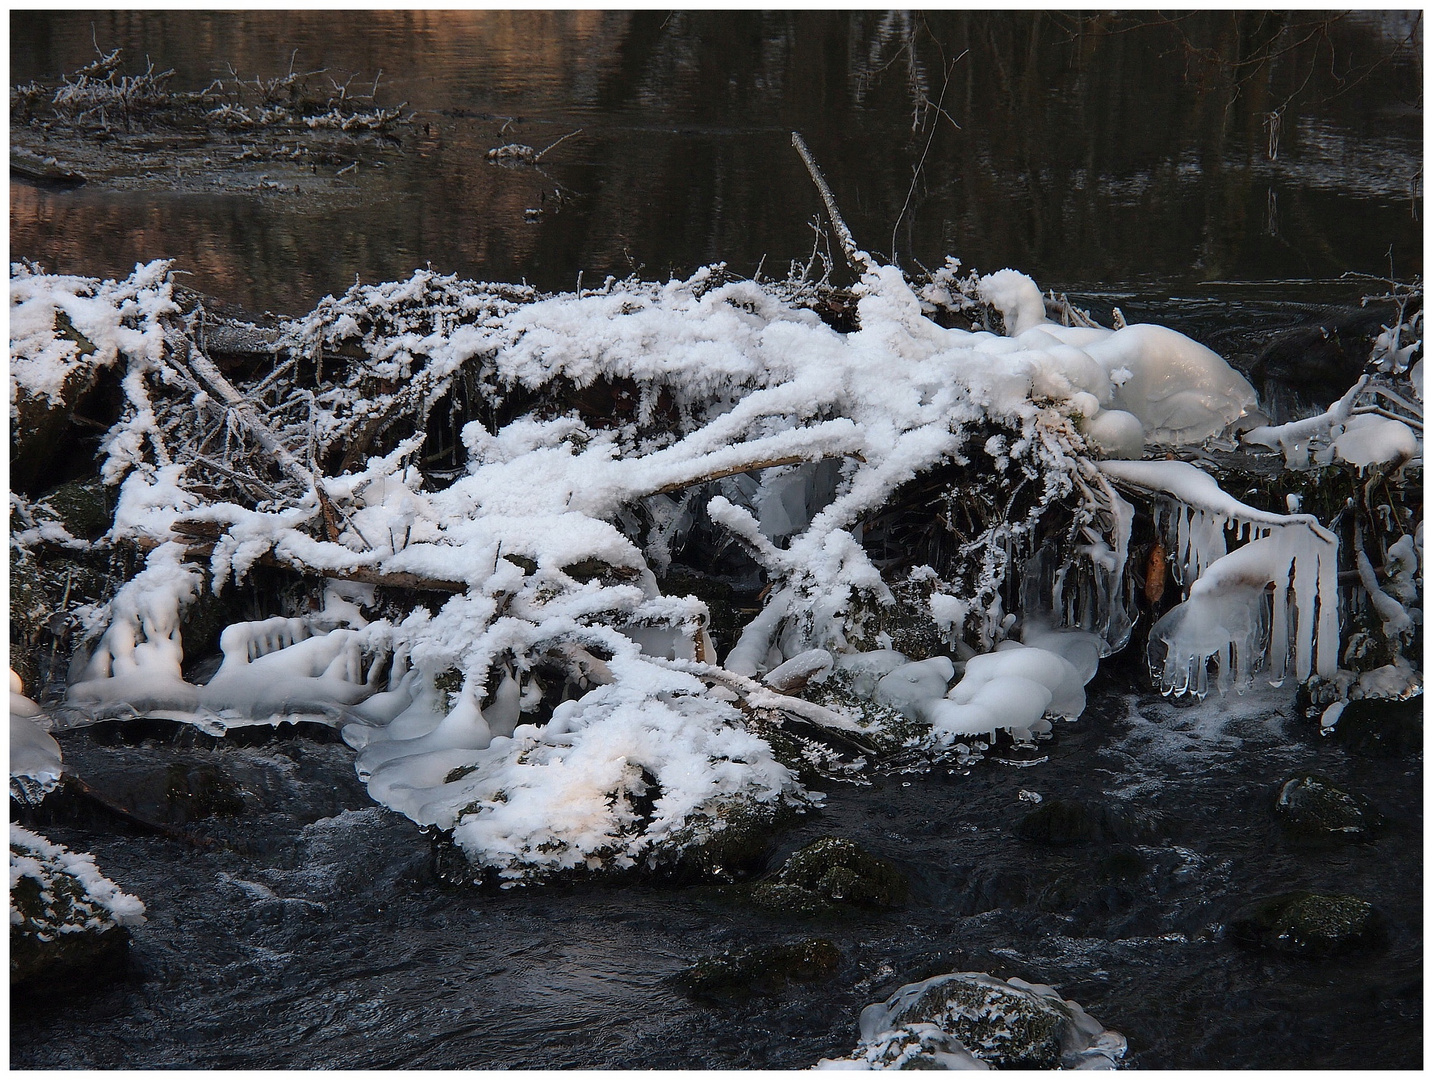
(970, 1020)
(501, 489)
(64, 914)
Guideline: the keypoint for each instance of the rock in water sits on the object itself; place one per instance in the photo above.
(1308, 924)
(1312, 809)
(67, 921)
(763, 969)
(829, 872)
(970, 1020)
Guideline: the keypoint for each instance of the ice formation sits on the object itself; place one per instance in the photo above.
(35, 760)
(1178, 390)
(971, 1020)
(553, 709)
(1274, 600)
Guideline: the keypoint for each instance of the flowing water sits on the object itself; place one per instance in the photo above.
(1134, 165)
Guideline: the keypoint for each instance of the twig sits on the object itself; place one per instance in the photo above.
(221, 388)
(860, 261)
(538, 156)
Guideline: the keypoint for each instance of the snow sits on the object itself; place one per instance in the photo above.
(1375, 440)
(99, 906)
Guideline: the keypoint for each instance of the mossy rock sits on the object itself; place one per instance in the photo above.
(840, 872)
(762, 969)
(84, 507)
(733, 848)
(1004, 1026)
(61, 938)
(1058, 823)
(1308, 924)
(887, 729)
(1382, 727)
(1312, 809)
(904, 623)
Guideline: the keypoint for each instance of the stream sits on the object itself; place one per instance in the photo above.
(293, 923)
(314, 933)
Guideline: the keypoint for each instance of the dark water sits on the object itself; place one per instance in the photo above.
(1127, 160)
(314, 934)
(1105, 150)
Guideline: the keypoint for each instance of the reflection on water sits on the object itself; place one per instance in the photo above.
(1222, 145)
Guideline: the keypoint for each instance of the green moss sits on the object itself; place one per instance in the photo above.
(832, 872)
(1308, 924)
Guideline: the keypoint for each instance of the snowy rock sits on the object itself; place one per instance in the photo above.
(66, 919)
(970, 1020)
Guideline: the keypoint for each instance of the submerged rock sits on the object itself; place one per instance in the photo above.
(970, 1020)
(763, 969)
(831, 873)
(1382, 727)
(1308, 924)
(1312, 809)
(1058, 823)
(68, 923)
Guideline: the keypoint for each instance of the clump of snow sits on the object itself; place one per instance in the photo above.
(971, 1020)
(74, 897)
(1376, 440)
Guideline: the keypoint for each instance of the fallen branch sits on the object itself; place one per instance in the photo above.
(860, 261)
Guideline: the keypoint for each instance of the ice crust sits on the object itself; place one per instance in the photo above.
(36, 763)
(802, 430)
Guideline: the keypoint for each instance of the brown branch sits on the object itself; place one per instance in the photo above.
(750, 466)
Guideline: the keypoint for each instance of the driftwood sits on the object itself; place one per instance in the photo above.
(860, 261)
